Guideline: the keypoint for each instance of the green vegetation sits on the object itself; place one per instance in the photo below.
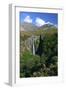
(45, 60)
(25, 34)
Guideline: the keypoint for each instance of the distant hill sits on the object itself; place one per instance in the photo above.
(47, 27)
(28, 27)
(32, 27)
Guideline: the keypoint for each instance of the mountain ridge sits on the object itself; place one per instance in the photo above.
(32, 27)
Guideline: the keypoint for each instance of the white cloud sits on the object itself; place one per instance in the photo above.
(28, 19)
(49, 23)
(39, 22)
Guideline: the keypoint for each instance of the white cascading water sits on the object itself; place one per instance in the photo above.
(33, 46)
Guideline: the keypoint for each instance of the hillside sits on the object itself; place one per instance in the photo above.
(38, 50)
(27, 30)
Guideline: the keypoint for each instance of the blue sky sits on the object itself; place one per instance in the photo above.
(39, 19)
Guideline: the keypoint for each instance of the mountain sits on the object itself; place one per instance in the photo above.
(28, 27)
(48, 27)
(31, 27)
(30, 32)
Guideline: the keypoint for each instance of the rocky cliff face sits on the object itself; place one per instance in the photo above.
(30, 44)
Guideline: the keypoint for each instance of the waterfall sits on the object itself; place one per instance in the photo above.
(33, 49)
(33, 46)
